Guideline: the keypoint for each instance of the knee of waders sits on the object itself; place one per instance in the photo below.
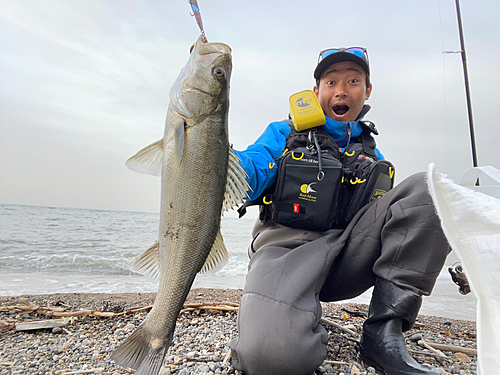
(415, 185)
(277, 339)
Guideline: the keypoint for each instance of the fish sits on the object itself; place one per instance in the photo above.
(470, 218)
(201, 177)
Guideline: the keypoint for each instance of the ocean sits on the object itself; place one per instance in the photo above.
(46, 250)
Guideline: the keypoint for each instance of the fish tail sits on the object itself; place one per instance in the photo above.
(136, 352)
(152, 362)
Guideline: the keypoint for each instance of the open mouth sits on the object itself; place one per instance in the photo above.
(340, 109)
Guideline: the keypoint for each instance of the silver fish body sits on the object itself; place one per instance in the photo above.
(200, 178)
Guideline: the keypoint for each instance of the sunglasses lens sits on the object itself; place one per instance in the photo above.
(328, 53)
(356, 51)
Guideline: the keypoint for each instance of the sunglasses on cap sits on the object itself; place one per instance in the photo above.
(357, 51)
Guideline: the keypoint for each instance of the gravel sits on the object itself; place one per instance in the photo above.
(201, 337)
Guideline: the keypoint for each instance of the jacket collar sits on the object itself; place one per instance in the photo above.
(339, 130)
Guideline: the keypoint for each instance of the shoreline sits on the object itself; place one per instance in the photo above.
(201, 335)
(444, 301)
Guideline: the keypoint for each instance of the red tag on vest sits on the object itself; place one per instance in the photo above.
(296, 208)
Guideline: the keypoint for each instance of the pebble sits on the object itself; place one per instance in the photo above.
(200, 344)
(416, 337)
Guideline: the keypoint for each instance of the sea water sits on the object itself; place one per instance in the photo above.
(70, 250)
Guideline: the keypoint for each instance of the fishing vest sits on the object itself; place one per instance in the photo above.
(320, 187)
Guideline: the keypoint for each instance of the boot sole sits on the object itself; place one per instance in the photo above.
(367, 363)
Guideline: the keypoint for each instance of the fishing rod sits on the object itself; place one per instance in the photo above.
(467, 90)
(466, 79)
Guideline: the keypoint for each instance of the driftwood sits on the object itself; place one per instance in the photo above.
(61, 312)
(421, 352)
(432, 349)
(451, 348)
(39, 324)
(338, 363)
(58, 312)
(338, 326)
(187, 359)
(227, 357)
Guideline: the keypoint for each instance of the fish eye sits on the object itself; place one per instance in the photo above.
(219, 72)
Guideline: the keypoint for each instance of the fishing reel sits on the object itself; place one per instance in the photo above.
(458, 276)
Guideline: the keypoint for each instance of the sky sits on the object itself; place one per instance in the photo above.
(84, 84)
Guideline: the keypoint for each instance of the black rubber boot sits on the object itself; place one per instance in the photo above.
(392, 311)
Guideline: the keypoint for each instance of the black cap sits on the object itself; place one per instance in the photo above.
(338, 57)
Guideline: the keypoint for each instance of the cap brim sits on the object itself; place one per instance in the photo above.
(338, 57)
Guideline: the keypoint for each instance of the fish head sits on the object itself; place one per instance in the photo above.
(202, 87)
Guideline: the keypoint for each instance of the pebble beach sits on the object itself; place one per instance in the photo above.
(99, 322)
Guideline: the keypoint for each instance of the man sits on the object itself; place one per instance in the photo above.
(394, 244)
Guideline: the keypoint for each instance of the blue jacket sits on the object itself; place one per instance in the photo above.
(259, 157)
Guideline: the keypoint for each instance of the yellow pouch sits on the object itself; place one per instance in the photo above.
(305, 110)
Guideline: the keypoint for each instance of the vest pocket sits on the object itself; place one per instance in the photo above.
(366, 186)
(305, 196)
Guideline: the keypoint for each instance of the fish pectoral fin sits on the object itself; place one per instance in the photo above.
(217, 257)
(148, 263)
(148, 160)
(236, 183)
(179, 141)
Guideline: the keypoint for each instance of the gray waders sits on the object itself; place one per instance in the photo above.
(397, 238)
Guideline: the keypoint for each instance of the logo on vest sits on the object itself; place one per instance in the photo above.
(303, 103)
(306, 191)
(377, 194)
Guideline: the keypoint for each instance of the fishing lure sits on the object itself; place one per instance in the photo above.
(197, 15)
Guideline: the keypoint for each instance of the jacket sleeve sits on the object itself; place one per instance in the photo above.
(379, 154)
(260, 159)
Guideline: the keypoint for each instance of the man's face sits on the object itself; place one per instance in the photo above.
(342, 91)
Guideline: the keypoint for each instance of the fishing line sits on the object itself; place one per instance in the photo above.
(444, 90)
(197, 16)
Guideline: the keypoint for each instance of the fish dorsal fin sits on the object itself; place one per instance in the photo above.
(148, 160)
(218, 256)
(148, 263)
(236, 184)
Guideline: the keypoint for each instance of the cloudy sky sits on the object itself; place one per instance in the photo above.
(84, 84)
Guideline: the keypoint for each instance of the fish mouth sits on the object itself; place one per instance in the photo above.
(209, 48)
(191, 88)
(340, 109)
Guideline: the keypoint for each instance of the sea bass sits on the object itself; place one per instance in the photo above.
(201, 177)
